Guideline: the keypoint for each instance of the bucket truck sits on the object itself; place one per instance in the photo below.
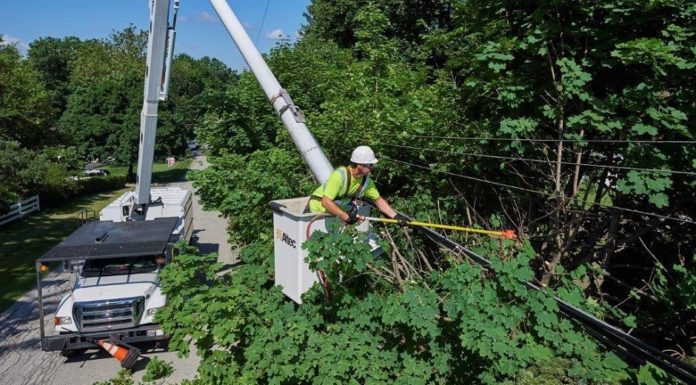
(291, 222)
(117, 259)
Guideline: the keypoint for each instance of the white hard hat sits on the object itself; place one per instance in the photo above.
(363, 155)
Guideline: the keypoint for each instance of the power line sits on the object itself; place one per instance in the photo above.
(556, 140)
(614, 338)
(539, 191)
(464, 176)
(653, 170)
(263, 19)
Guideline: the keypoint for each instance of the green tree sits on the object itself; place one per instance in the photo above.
(195, 88)
(610, 71)
(27, 172)
(103, 115)
(53, 58)
(124, 51)
(23, 99)
(102, 119)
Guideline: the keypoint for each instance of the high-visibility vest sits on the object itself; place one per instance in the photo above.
(346, 181)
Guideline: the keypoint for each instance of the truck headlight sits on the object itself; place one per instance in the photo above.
(63, 321)
(153, 311)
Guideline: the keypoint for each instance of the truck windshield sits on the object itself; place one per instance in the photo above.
(117, 266)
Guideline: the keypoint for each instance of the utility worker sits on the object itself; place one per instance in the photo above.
(349, 183)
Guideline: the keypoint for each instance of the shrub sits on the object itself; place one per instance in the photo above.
(157, 369)
(56, 193)
(123, 377)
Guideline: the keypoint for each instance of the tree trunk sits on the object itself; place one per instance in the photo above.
(560, 204)
(609, 248)
(130, 176)
(576, 174)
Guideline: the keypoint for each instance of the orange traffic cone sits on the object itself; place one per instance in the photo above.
(126, 357)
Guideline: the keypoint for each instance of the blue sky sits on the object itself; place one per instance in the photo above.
(199, 32)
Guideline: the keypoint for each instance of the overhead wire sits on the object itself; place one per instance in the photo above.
(606, 141)
(614, 338)
(637, 351)
(633, 349)
(263, 19)
(666, 217)
(501, 157)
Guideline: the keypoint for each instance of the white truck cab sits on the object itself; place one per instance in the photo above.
(116, 293)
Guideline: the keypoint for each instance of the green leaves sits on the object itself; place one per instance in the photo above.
(339, 251)
(244, 329)
(157, 369)
(640, 129)
(574, 79)
(416, 310)
(495, 56)
(25, 111)
(654, 52)
(651, 375)
(645, 183)
(240, 186)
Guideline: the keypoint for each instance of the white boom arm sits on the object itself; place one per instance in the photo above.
(160, 46)
(290, 114)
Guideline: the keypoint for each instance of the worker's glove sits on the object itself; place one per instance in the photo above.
(401, 220)
(352, 215)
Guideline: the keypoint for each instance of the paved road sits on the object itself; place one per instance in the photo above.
(21, 358)
(209, 228)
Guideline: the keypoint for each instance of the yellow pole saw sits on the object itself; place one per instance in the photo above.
(505, 234)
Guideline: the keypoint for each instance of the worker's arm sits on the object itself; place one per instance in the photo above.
(384, 207)
(333, 208)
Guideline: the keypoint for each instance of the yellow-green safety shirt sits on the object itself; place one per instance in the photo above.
(335, 188)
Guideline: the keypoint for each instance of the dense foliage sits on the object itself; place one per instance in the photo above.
(430, 331)
(23, 116)
(607, 223)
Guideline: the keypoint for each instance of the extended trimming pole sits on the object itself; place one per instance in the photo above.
(290, 114)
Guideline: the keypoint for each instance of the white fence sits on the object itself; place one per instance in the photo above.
(21, 209)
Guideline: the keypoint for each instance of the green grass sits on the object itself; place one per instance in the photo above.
(23, 241)
(161, 173)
